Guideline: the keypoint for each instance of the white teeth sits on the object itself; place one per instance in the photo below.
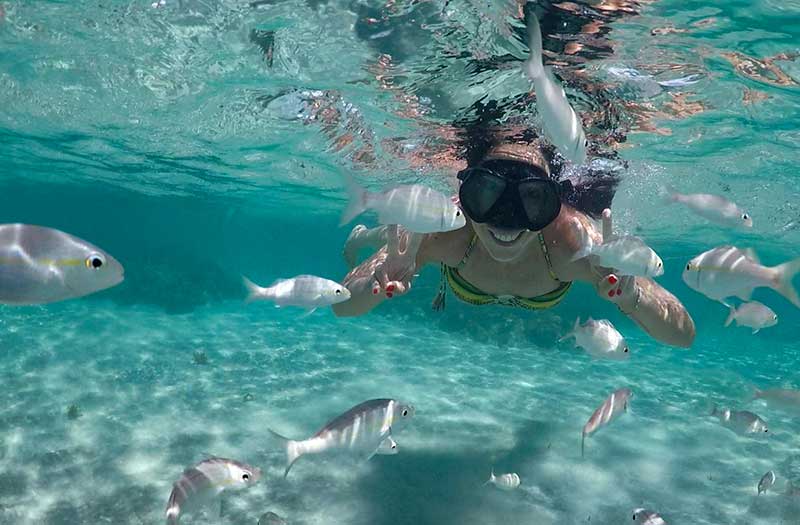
(506, 237)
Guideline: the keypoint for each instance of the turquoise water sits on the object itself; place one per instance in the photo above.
(155, 134)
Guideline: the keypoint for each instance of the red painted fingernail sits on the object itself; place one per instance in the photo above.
(619, 291)
(612, 279)
(611, 293)
(389, 294)
(375, 291)
(390, 288)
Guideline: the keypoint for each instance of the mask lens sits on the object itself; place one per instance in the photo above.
(479, 192)
(541, 202)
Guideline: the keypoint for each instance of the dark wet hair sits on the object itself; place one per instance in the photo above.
(589, 190)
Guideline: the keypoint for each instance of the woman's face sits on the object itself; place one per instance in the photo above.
(503, 245)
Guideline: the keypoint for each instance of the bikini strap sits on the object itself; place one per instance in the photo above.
(470, 247)
(438, 301)
(543, 244)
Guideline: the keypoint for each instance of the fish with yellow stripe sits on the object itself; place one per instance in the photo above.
(364, 430)
(727, 271)
(199, 485)
(41, 265)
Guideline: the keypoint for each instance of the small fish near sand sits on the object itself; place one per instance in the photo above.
(417, 208)
(786, 399)
(628, 255)
(508, 482)
(727, 271)
(647, 517)
(600, 339)
(201, 484)
(714, 208)
(753, 315)
(614, 405)
(305, 291)
(766, 482)
(742, 422)
(360, 431)
(41, 265)
(562, 125)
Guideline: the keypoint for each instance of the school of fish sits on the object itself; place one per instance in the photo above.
(41, 265)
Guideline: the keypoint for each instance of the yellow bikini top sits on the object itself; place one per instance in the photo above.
(468, 293)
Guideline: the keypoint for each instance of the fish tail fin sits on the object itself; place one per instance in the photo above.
(585, 241)
(669, 194)
(357, 203)
(491, 477)
(292, 450)
(731, 316)
(254, 291)
(783, 283)
(534, 66)
(173, 514)
(572, 332)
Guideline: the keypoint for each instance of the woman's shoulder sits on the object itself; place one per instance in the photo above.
(446, 247)
(563, 239)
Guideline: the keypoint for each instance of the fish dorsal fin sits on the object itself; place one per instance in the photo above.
(751, 254)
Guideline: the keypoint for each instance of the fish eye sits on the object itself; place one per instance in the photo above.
(458, 213)
(338, 291)
(689, 266)
(659, 264)
(405, 412)
(95, 261)
(245, 477)
(745, 216)
(625, 349)
(766, 430)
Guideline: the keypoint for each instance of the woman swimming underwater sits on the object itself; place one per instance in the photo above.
(516, 248)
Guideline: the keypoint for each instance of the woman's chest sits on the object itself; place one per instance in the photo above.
(527, 277)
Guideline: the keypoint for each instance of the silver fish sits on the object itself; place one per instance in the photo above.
(419, 209)
(270, 518)
(41, 265)
(200, 484)
(561, 124)
(740, 421)
(727, 271)
(752, 315)
(359, 431)
(627, 254)
(714, 208)
(509, 481)
(614, 405)
(783, 398)
(766, 482)
(647, 517)
(306, 291)
(600, 339)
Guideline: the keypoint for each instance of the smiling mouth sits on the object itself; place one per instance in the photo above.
(505, 237)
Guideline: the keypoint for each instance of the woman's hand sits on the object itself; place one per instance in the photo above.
(620, 290)
(393, 274)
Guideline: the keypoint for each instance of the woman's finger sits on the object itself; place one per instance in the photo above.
(397, 288)
(392, 240)
(608, 230)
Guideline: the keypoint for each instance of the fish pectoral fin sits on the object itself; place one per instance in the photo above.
(756, 330)
(308, 312)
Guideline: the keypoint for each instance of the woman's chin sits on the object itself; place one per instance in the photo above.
(505, 245)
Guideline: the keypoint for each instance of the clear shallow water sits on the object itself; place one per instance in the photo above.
(151, 132)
